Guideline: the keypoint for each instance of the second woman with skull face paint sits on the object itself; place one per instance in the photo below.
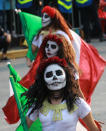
(51, 98)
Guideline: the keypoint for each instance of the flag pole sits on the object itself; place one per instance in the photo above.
(22, 117)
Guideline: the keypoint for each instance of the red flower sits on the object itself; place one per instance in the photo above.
(53, 60)
(52, 37)
(49, 10)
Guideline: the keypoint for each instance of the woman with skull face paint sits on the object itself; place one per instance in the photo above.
(57, 45)
(51, 98)
(52, 21)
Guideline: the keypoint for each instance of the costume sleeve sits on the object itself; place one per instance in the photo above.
(37, 42)
(33, 116)
(84, 108)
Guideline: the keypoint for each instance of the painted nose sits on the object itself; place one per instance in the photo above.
(54, 77)
(48, 48)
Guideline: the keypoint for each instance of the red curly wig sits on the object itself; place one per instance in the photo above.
(58, 20)
(51, 60)
(49, 10)
(52, 37)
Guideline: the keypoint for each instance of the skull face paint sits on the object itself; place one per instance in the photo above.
(46, 20)
(55, 77)
(51, 49)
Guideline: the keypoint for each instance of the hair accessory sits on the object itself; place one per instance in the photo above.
(52, 60)
(49, 10)
(52, 37)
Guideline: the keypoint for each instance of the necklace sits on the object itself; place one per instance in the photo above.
(56, 108)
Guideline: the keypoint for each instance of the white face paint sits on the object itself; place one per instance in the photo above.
(51, 49)
(46, 20)
(55, 77)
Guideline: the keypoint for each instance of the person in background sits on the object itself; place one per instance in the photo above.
(32, 6)
(65, 7)
(52, 3)
(102, 14)
(5, 40)
(49, 15)
(89, 16)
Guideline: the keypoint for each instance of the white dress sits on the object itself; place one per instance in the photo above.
(63, 120)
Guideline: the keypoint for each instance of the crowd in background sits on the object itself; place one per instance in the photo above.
(83, 16)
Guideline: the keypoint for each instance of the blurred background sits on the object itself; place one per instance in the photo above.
(10, 21)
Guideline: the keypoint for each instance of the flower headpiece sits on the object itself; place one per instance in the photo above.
(52, 37)
(45, 62)
(49, 10)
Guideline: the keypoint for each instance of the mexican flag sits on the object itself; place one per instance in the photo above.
(16, 102)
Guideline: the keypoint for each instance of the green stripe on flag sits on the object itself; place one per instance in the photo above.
(31, 24)
(36, 126)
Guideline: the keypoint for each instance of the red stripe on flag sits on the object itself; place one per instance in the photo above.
(92, 66)
(11, 111)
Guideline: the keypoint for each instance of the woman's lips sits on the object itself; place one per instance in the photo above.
(48, 53)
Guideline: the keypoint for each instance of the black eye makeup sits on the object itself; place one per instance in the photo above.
(46, 16)
(49, 74)
(53, 46)
(47, 45)
(59, 72)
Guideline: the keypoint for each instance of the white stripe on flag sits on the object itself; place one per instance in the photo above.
(11, 89)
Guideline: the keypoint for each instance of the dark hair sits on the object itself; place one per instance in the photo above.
(38, 92)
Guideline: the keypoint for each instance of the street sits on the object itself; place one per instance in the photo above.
(98, 99)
